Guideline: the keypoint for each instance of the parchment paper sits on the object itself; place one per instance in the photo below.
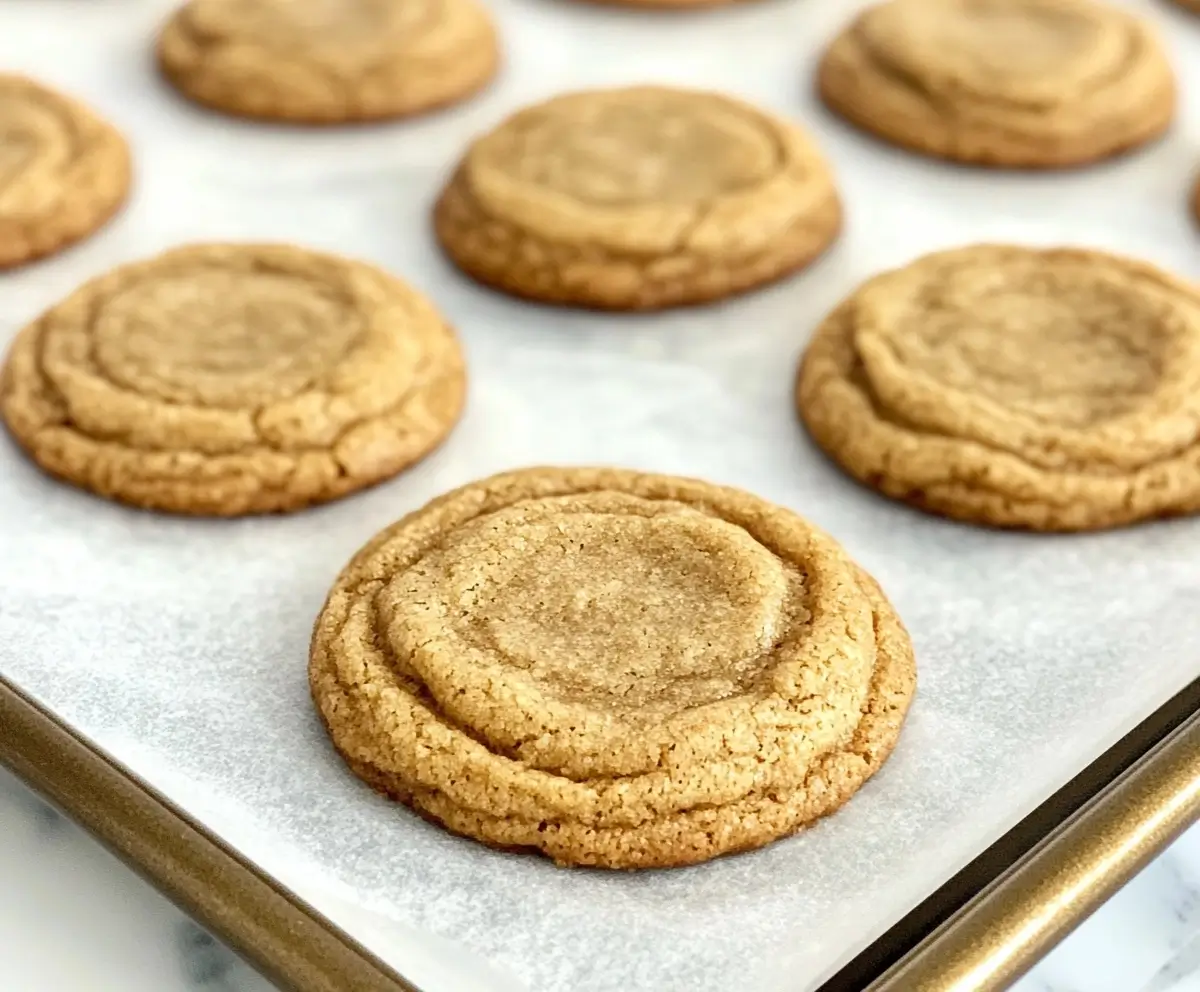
(180, 646)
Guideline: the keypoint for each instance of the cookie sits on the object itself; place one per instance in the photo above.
(611, 668)
(233, 379)
(1016, 83)
(328, 61)
(636, 199)
(63, 171)
(1054, 390)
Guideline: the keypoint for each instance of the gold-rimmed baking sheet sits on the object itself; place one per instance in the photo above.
(177, 647)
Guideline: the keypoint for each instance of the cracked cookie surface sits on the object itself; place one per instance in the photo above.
(613, 668)
(638, 198)
(328, 61)
(1045, 389)
(63, 171)
(233, 379)
(1030, 83)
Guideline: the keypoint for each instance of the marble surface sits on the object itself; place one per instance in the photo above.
(73, 919)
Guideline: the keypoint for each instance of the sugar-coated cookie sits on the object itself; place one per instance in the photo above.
(638, 198)
(233, 379)
(1019, 83)
(328, 61)
(1044, 389)
(611, 668)
(63, 171)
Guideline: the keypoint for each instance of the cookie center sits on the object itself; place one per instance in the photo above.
(17, 149)
(1018, 41)
(1039, 49)
(219, 338)
(665, 611)
(1072, 354)
(328, 26)
(632, 150)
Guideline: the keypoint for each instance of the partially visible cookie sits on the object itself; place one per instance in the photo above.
(611, 668)
(638, 198)
(328, 61)
(233, 379)
(1018, 83)
(63, 171)
(1053, 390)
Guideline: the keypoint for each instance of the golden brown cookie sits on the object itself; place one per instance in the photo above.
(1019, 83)
(233, 379)
(638, 198)
(63, 171)
(1041, 389)
(612, 668)
(328, 61)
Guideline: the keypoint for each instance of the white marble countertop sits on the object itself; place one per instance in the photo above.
(74, 919)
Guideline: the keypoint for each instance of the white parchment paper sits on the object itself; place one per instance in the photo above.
(180, 646)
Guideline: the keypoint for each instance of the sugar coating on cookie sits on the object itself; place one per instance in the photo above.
(612, 668)
(638, 198)
(233, 379)
(328, 61)
(63, 170)
(1044, 389)
(1018, 83)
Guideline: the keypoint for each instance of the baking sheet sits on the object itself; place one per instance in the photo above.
(180, 646)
